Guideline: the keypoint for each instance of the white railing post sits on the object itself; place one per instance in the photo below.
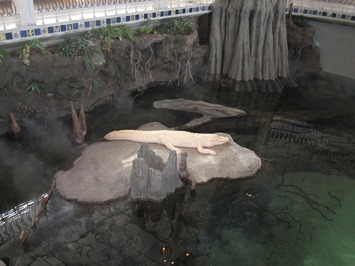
(163, 3)
(26, 11)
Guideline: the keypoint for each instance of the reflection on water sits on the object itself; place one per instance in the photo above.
(297, 210)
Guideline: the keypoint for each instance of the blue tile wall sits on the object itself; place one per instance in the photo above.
(37, 32)
(8, 36)
(23, 33)
(88, 24)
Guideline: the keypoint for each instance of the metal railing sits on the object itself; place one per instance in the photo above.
(54, 11)
(345, 2)
(8, 14)
(347, 7)
(48, 12)
(7, 8)
(54, 5)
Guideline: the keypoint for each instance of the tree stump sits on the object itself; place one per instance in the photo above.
(249, 40)
(150, 178)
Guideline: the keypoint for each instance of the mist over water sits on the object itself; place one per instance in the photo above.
(28, 164)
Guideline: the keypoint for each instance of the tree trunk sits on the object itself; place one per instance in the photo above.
(248, 40)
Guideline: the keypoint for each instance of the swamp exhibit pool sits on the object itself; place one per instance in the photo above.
(297, 209)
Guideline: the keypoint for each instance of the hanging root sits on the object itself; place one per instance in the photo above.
(147, 64)
(188, 72)
(142, 72)
(187, 75)
(179, 68)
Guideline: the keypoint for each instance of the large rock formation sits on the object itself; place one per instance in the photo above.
(248, 40)
(104, 170)
(51, 81)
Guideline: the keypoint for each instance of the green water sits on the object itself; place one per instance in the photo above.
(298, 234)
(297, 210)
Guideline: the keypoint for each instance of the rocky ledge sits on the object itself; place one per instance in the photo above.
(103, 172)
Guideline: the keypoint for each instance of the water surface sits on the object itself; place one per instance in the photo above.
(297, 210)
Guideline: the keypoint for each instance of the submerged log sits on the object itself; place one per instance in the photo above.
(14, 127)
(209, 111)
(248, 40)
(77, 131)
(82, 119)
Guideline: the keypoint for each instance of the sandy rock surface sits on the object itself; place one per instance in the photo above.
(103, 171)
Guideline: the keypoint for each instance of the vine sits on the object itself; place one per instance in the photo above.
(31, 46)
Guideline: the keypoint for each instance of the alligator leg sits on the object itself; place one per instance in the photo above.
(205, 151)
(164, 141)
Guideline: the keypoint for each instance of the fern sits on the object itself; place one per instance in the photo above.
(33, 88)
(76, 89)
(75, 47)
(177, 26)
(36, 44)
(108, 33)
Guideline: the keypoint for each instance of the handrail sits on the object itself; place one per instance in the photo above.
(7, 8)
(346, 2)
(58, 16)
(54, 5)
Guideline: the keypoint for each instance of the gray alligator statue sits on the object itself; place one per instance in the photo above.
(330, 148)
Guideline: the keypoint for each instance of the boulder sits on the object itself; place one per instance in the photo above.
(103, 172)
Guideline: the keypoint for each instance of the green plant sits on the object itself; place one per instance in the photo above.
(300, 22)
(109, 33)
(72, 47)
(37, 44)
(107, 46)
(176, 26)
(75, 47)
(147, 28)
(25, 51)
(129, 34)
(76, 89)
(3, 54)
(34, 87)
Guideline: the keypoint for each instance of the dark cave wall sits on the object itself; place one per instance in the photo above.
(156, 59)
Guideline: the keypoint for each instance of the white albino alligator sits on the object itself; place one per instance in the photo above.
(171, 139)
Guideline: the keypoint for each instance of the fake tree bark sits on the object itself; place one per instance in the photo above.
(248, 39)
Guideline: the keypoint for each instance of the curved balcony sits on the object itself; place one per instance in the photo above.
(35, 18)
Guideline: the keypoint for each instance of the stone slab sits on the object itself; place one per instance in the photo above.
(209, 111)
(103, 171)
